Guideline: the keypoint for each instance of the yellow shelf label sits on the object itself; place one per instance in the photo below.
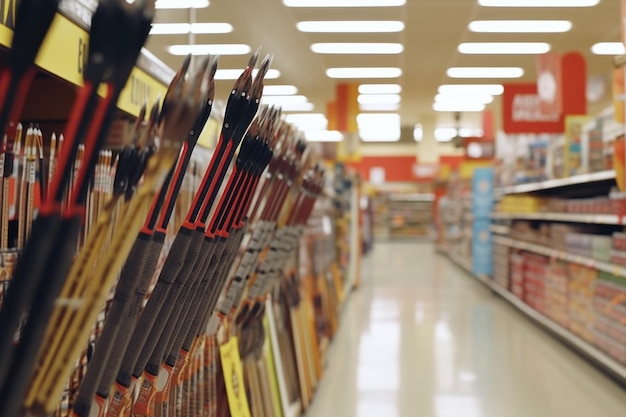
(233, 379)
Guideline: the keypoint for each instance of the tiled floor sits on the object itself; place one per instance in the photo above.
(420, 338)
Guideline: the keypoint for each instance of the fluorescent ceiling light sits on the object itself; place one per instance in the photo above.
(186, 28)
(323, 136)
(225, 49)
(504, 48)
(379, 99)
(463, 98)
(418, 132)
(608, 48)
(379, 127)
(380, 107)
(297, 107)
(351, 26)
(458, 107)
(520, 26)
(293, 99)
(357, 48)
(181, 4)
(279, 90)
(233, 74)
(378, 119)
(308, 120)
(485, 72)
(446, 134)
(364, 72)
(468, 89)
(538, 3)
(343, 3)
(380, 89)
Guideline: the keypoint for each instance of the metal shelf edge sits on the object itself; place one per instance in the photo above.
(556, 183)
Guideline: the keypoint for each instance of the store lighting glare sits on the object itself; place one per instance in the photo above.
(344, 3)
(181, 4)
(378, 119)
(458, 107)
(538, 3)
(278, 100)
(379, 99)
(379, 127)
(186, 28)
(351, 26)
(608, 48)
(206, 49)
(470, 89)
(380, 89)
(233, 74)
(364, 72)
(485, 72)
(463, 98)
(323, 136)
(504, 48)
(379, 135)
(358, 48)
(446, 134)
(380, 107)
(520, 26)
(307, 120)
(418, 132)
(297, 107)
(279, 90)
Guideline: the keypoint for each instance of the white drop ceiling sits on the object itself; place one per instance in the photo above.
(433, 31)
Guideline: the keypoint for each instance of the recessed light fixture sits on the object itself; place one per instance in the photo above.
(186, 28)
(297, 107)
(464, 98)
(351, 26)
(467, 89)
(538, 3)
(379, 99)
(485, 72)
(608, 48)
(233, 74)
(323, 135)
(458, 107)
(504, 48)
(205, 49)
(279, 90)
(278, 100)
(380, 89)
(364, 72)
(380, 107)
(181, 4)
(344, 3)
(520, 26)
(357, 48)
(418, 132)
(379, 127)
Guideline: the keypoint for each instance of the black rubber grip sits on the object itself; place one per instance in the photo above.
(105, 344)
(197, 299)
(177, 278)
(173, 264)
(131, 314)
(57, 268)
(26, 279)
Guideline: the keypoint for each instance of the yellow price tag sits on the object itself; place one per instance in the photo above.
(233, 379)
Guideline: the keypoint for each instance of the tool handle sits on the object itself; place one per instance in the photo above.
(128, 324)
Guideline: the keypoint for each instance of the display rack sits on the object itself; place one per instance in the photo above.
(410, 215)
(582, 179)
(605, 362)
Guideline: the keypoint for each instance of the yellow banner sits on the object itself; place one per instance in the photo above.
(64, 54)
(233, 379)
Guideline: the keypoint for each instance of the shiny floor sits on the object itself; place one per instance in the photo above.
(420, 338)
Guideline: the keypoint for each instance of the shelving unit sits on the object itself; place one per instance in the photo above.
(582, 179)
(410, 215)
(607, 363)
(610, 219)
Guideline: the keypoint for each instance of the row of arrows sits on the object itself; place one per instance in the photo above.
(244, 223)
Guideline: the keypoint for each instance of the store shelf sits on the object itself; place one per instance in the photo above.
(65, 50)
(557, 183)
(608, 364)
(499, 230)
(611, 219)
(565, 256)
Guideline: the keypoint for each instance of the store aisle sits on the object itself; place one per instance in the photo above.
(420, 338)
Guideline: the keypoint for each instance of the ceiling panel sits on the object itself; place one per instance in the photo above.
(434, 28)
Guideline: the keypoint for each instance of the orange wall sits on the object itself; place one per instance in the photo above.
(397, 168)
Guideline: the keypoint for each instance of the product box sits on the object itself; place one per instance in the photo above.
(482, 193)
